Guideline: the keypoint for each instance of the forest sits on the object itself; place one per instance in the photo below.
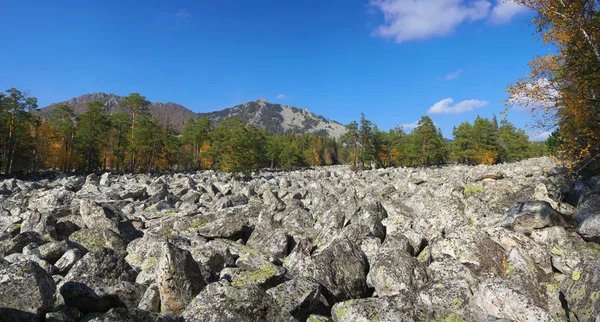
(134, 141)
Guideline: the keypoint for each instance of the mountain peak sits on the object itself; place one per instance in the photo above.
(279, 119)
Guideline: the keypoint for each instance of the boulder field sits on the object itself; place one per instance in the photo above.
(510, 242)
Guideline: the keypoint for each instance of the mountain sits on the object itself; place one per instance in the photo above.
(279, 119)
(166, 113)
(274, 118)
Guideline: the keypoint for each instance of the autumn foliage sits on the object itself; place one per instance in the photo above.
(562, 88)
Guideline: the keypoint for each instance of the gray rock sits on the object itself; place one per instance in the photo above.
(96, 239)
(26, 291)
(232, 226)
(19, 258)
(342, 268)
(64, 314)
(575, 192)
(53, 251)
(179, 279)
(17, 243)
(67, 260)
(393, 270)
(143, 254)
(301, 297)
(497, 298)
(527, 216)
(44, 224)
(133, 315)
(151, 299)
(103, 264)
(389, 309)
(96, 216)
(222, 303)
(92, 294)
(581, 290)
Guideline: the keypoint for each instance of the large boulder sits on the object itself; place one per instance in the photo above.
(92, 294)
(178, 277)
(581, 290)
(301, 297)
(222, 303)
(17, 243)
(394, 270)
(527, 216)
(105, 264)
(96, 239)
(44, 224)
(386, 309)
(26, 291)
(342, 268)
(499, 299)
(587, 215)
(96, 216)
(132, 315)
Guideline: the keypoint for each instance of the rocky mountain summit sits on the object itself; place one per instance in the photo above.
(279, 119)
(512, 242)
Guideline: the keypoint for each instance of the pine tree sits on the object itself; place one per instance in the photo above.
(93, 127)
(62, 122)
(136, 104)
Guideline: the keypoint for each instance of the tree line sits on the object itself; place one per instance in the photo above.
(134, 141)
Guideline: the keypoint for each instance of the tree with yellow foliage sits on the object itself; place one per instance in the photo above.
(562, 88)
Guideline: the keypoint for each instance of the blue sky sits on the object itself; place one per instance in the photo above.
(394, 60)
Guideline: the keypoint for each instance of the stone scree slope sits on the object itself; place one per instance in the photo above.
(511, 242)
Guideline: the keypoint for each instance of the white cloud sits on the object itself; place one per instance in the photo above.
(409, 126)
(406, 20)
(281, 97)
(444, 106)
(542, 93)
(454, 75)
(542, 136)
(182, 15)
(505, 10)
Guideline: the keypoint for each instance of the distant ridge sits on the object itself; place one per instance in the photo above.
(172, 114)
(274, 118)
(279, 119)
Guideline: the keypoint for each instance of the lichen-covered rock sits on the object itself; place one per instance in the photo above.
(498, 298)
(581, 291)
(26, 291)
(232, 226)
(17, 243)
(44, 224)
(68, 259)
(386, 309)
(93, 294)
(151, 299)
(301, 297)
(96, 239)
(588, 205)
(178, 277)
(527, 216)
(143, 255)
(342, 268)
(222, 303)
(132, 315)
(53, 251)
(96, 216)
(472, 248)
(105, 264)
(393, 270)
(17, 258)
(366, 222)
